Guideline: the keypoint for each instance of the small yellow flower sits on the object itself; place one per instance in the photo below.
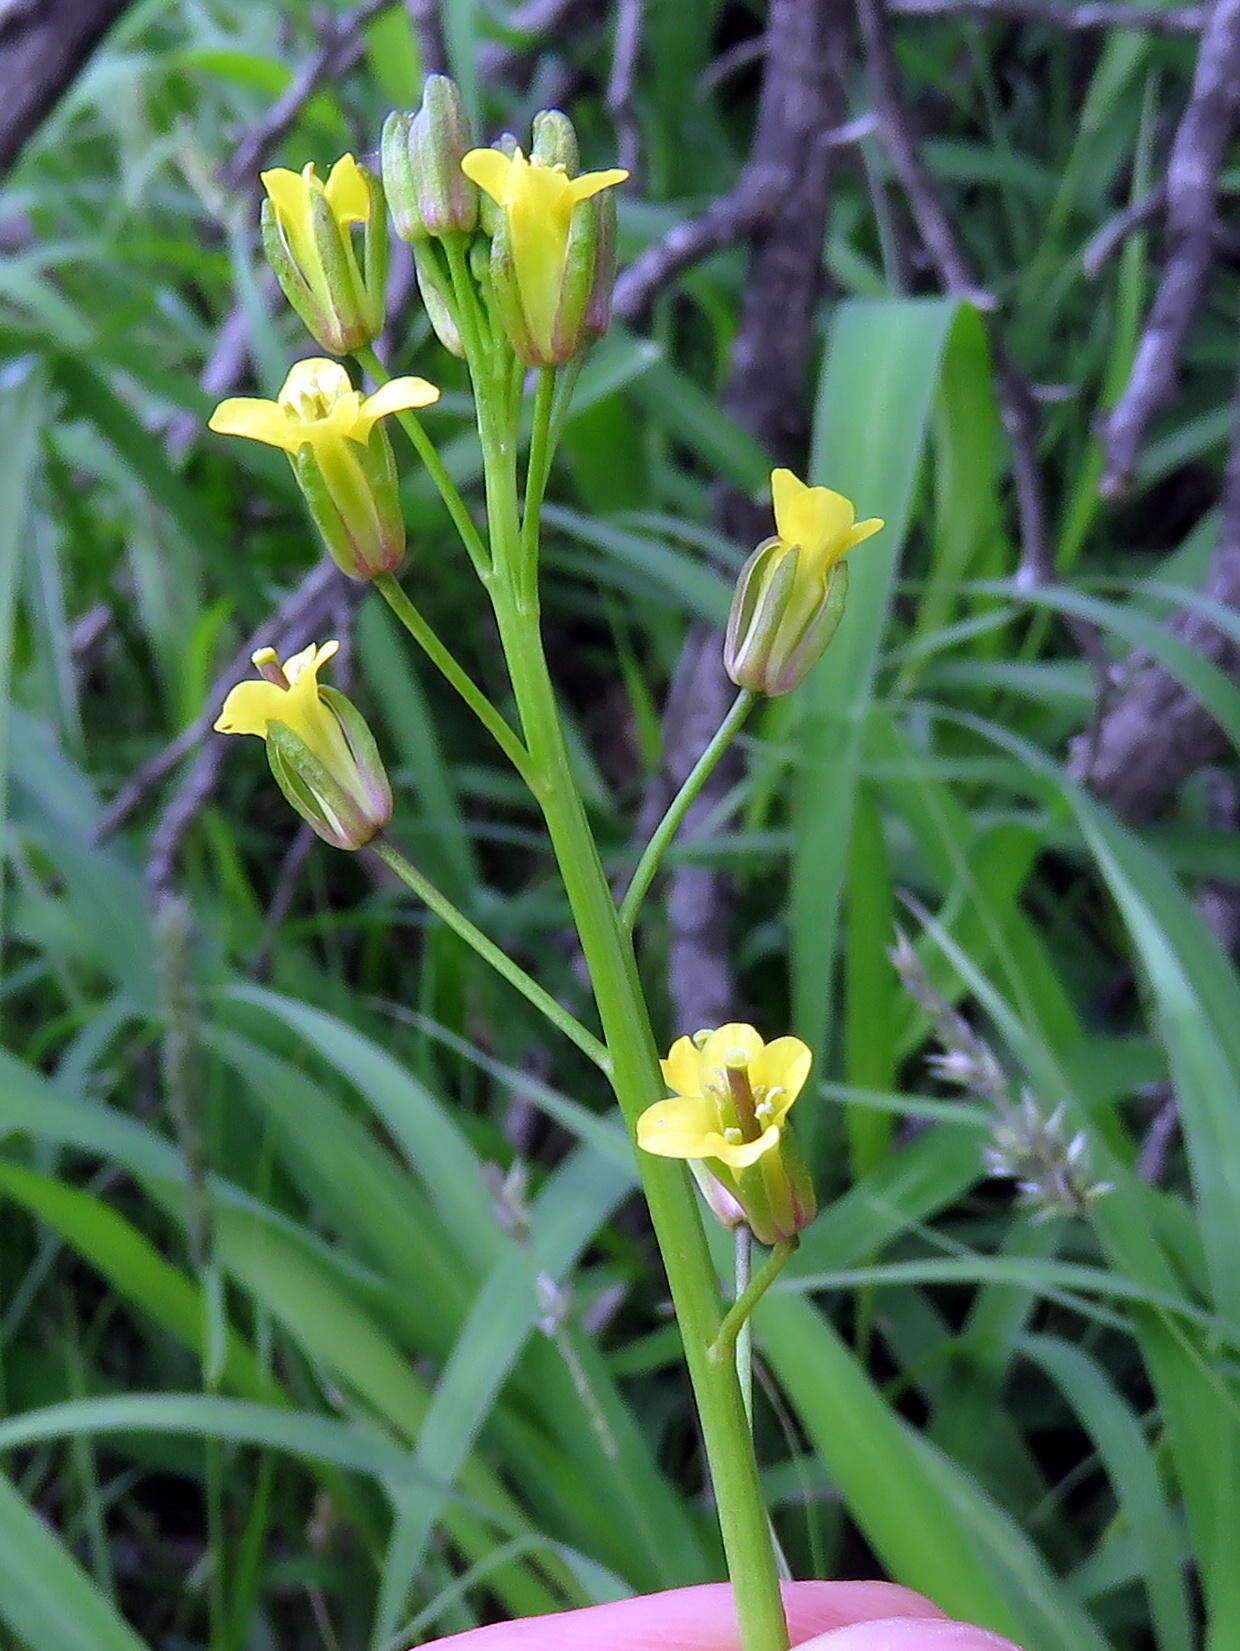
(732, 1096)
(288, 693)
(308, 236)
(823, 525)
(790, 594)
(330, 770)
(538, 201)
(340, 455)
(318, 404)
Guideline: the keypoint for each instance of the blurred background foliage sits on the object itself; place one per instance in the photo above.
(327, 1315)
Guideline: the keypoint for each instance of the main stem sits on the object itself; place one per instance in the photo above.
(635, 1069)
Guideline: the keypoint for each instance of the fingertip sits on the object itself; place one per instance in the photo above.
(909, 1633)
(815, 1607)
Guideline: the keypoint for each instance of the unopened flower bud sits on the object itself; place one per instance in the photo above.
(308, 236)
(319, 748)
(422, 154)
(790, 594)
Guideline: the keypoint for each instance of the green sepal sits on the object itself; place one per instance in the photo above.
(375, 256)
(308, 787)
(346, 328)
(373, 775)
(293, 284)
(598, 310)
(507, 295)
(577, 287)
(803, 638)
(762, 589)
(323, 509)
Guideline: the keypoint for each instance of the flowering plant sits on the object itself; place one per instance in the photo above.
(515, 260)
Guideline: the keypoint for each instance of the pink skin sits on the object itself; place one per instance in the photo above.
(822, 1616)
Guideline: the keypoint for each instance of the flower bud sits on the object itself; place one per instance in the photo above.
(790, 595)
(555, 142)
(422, 156)
(307, 228)
(438, 299)
(319, 748)
(779, 626)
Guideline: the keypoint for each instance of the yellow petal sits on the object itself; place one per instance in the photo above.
(249, 707)
(781, 1070)
(289, 191)
(489, 169)
(865, 530)
(593, 183)
(311, 659)
(682, 1070)
(394, 397)
(264, 421)
(348, 192)
(733, 1041)
(741, 1154)
(681, 1127)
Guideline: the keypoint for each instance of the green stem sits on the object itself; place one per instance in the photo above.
(723, 1348)
(424, 447)
(537, 471)
(635, 1068)
(490, 953)
(445, 662)
(744, 1338)
(671, 822)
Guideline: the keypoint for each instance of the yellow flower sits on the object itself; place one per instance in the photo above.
(308, 236)
(732, 1096)
(818, 522)
(538, 202)
(340, 455)
(790, 594)
(319, 747)
(318, 404)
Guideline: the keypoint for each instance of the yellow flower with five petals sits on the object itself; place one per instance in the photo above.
(732, 1094)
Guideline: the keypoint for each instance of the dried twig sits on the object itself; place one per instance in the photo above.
(1156, 733)
(802, 99)
(630, 15)
(340, 49)
(1192, 184)
(1098, 14)
(42, 48)
(1116, 230)
(299, 613)
(756, 199)
(1017, 403)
